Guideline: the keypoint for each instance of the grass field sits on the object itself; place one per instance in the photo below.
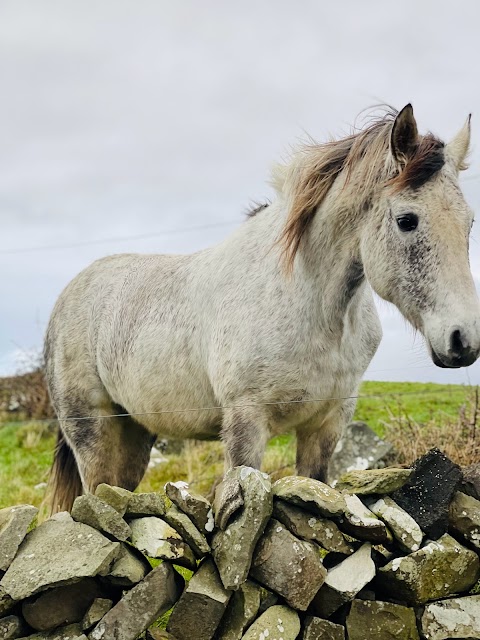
(26, 449)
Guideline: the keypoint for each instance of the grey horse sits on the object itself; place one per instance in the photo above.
(242, 340)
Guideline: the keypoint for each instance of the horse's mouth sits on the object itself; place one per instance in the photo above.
(455, 362)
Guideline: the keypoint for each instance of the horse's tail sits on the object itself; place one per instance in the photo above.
(64, 482)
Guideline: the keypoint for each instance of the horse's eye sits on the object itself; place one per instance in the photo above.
(407, 222)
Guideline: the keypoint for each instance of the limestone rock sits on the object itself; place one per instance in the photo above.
(14, 524)
(188, 531)
(464, 517)
(361, 523)
(381, 621)
(241, 612)
(61, 605)
(90, 510)
(344, 581)
(156, 539)
(140, 606)
(96, 611)
(359, 448)
(277, 623)
(228, 500)
(439, 569)
(454, 618)
(233, 548)
(427, 494)
(201, 607)
(116, 497)
(129, 568)
(145, 504)
(58, 553)
(311, 495)
(401, 524)
(193, 504)
(291, 567)
(373, 481)
(308, 527)
(11, 628)
(319, 629)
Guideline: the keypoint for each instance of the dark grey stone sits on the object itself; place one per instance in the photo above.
(359, 448)
(14, 524)
(140, 606)
(427, 494)
(200, 609)
(381, 621)
(291, 567)
(61, 605)
(90, 510)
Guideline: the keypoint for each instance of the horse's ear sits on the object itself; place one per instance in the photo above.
(457, 149)
(404, 136)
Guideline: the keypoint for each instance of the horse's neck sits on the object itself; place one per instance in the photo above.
(327, 280)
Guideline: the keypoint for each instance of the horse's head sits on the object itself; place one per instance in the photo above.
(414, 242)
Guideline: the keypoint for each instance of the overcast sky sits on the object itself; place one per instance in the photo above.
(122, 119)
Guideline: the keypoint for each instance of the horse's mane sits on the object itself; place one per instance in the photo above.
(306, 179)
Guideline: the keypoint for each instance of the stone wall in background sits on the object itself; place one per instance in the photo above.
(388, 553)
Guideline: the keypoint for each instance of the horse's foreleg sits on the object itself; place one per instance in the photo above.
(245, 435)
(317, 440)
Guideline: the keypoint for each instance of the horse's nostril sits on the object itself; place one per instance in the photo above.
(458, 344)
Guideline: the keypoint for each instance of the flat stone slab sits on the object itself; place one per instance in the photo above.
(141, 606)
(201, 607)
(157, 539)
(14, 524)
(361, 523)
(319, 629)
(344, 581)
(58, 553)
(464, 517)
(129, 568)
(381, 621)
(145, 504)
(454, 618)
(61, 606)
(233, 548)
(277, 623)
(291, 567)
(404, 528)
(471, 480)
(90, 510)
(439, 569)
(193, 504)
(241, 612)
(373, 481)
(311, 495)
(116, 497)
(427, 494)
(359, 448)
(96, 611)
(184, 526)
(308, 527)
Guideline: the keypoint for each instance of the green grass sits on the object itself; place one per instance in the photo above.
(26, 451)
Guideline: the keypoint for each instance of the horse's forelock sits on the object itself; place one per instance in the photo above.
(306, 180)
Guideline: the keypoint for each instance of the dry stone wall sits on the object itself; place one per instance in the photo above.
(388, 553)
